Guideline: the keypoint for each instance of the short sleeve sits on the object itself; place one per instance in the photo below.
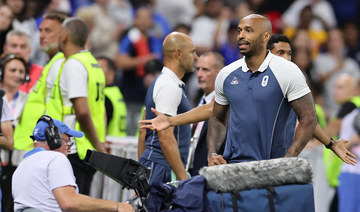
(290, 78)
(220, 96)
(60, 172)
(74, 79)
(167, 97)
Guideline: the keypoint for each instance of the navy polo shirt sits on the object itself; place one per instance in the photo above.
(259, 107)
(167, 95)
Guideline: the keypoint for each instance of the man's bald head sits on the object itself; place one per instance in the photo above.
(346, 86)
(260, 21)
(179, 53)
(174, 41)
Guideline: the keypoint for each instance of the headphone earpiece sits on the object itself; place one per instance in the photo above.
(26, 79)
(52, 133)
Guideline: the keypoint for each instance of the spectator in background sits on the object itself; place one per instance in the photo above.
(208, 66)
(331, 64)
(175, 11)
(25, 13)
(17, 7)
(351, 32)
(136, 48)
(106, 31)
(121, 12)
(204, 28)
(87, 13)
(13, 73)
(6, 18)
(322, 12)
(302, 58)
(114, 102)
(317, 34)
(230, 49)
(18, 42)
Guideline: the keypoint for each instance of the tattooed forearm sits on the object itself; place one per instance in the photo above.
(217, 128)
(304, 108)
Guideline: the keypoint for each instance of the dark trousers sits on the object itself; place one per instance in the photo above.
(83, 173)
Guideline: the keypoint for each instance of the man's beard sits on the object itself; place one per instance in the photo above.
(50, 47)
(254, 48)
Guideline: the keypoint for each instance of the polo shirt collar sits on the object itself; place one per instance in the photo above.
(169, 72)
(263, 65)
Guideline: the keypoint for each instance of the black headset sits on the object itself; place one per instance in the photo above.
(7, 58)
(52, 133)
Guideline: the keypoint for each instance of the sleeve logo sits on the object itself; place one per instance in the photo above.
(234, 81)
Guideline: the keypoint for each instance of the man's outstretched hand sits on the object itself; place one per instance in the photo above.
(339, 148)
(160, 122)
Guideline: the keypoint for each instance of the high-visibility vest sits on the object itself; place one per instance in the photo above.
(333, 162)
(117, 123)
(321, 117)
(34, 108)
(95, 99)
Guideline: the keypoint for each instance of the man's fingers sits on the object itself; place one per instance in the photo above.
(351, 154)
(216, 160)
(154, 111)
(144, 122)
(150, 127)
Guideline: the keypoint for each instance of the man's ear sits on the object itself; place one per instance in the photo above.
(178, 53)
(267, 36)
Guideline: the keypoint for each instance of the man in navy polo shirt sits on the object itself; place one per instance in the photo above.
(259, 90)
(168, 149)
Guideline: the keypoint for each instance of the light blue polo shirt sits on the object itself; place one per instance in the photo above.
(259, 107)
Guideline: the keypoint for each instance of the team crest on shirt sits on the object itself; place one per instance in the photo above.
(234, 81)
(265, 80)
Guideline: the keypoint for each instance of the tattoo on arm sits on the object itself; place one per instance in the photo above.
(305, 110)
(217, 127)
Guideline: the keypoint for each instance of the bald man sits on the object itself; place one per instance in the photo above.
(346, 94)
(258, 91)
(167, 149)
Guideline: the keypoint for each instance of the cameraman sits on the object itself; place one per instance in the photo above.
(44, 180)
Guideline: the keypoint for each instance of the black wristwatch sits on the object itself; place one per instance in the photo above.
(330, 144)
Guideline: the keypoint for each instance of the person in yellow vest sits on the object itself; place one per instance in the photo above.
(77, 98)
(114, 102)
(35, 106)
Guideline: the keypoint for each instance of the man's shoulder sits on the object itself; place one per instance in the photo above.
(280, 67)
(224, 72)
